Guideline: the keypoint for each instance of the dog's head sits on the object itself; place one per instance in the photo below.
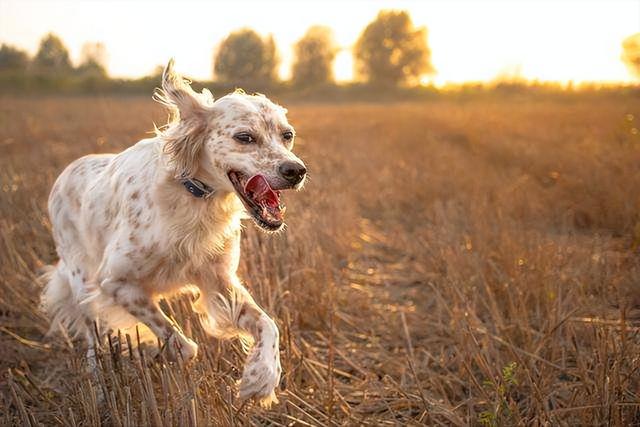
(239, 143)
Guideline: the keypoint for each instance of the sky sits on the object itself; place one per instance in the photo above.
(561, 40)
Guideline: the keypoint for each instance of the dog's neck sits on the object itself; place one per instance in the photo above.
(197, 188)
(198, 227)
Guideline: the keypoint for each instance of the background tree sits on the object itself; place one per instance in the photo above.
(631, 54)
(390, 51)
(314, 54)
(13, 59)
(245, 58)
(93, 59)
(52, 56)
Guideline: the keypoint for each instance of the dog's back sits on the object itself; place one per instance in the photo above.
(85, 204)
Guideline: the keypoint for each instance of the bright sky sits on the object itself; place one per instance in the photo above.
(558, 40)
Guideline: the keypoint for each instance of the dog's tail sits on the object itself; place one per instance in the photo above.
(57, 300)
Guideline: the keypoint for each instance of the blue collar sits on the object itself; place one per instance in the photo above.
(197, 188)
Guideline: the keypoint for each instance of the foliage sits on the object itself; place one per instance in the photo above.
(244, 58)
(93, 60)
(12, 58)
(502, 411)
(314, 55)
(52, 56)
(390, 51)
(631, 54)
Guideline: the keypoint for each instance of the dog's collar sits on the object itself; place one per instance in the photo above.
(197, 188)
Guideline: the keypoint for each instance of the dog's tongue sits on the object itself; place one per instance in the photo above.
(260, 191)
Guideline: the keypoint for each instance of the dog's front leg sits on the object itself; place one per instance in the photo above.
(230, 311)
(144, 308)
(262, 370)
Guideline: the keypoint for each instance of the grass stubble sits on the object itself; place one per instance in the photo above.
(448, 263)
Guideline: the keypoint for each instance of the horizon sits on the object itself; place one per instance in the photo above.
(587, 50)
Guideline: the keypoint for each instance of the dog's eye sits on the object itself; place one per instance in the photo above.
(244, 138)
(288, 135)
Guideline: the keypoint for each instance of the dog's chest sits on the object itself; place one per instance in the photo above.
(184, 257)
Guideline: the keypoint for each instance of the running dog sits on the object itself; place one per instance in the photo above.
(165, 214)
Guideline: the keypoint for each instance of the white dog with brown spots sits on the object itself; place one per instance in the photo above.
(165, 214)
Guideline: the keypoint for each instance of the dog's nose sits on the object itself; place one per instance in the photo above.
(293, 172)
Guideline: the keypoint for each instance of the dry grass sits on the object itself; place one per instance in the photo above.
(447, 264)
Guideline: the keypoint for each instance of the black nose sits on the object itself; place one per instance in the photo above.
(293, 172)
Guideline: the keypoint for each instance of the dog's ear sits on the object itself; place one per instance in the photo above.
(176, 94)
(191, 112)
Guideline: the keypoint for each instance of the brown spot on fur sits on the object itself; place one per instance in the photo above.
(135, 195)
(142, 302)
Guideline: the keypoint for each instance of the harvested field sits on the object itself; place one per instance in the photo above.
(448, 263)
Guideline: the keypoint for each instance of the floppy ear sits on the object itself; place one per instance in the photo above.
(188, 129)
(176, 94)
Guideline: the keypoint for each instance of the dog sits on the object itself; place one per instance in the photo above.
(165, 215)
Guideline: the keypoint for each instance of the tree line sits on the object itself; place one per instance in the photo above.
(390, 51)
(53, 58)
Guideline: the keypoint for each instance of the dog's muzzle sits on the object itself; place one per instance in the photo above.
(292, 172)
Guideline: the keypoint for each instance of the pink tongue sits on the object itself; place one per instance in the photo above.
(261, 192)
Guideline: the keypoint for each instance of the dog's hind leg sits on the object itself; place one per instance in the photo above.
(142, 306)
(65, 289)
(59, 302)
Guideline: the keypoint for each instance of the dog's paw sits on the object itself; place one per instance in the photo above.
(259, 381)
(181, 348)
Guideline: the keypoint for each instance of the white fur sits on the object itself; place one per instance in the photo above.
(127, 232)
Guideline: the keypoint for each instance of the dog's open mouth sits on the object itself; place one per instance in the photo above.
(260, 200)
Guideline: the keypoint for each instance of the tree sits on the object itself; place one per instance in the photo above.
(93, 59)
(13, 59)
(245, 58)
(52, 56)
(631, 54)
(314, 55)
(390, 51)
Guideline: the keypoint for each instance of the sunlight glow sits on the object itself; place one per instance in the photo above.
(470, 41)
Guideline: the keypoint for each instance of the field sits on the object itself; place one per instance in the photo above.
(450, 262)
